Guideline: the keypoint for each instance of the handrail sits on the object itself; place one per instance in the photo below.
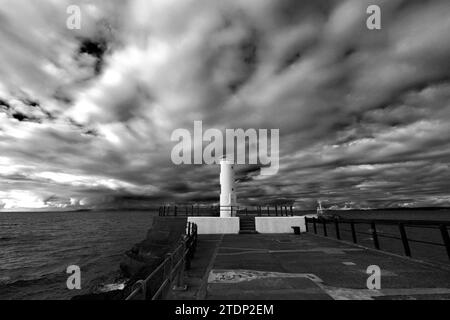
(184, 252)
(442, 226)
(391, 221)
(184, 211)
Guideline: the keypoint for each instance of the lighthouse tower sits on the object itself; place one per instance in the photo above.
(227, 192)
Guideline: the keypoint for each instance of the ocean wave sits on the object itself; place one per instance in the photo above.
(8, 224)
(110, 287)
(41, 280)
(7, 238)
(4, 280)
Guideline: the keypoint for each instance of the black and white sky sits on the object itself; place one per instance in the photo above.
(86, 115)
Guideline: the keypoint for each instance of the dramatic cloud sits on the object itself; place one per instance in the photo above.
(86, 115)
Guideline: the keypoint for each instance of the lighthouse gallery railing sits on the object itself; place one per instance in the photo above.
(211, 211)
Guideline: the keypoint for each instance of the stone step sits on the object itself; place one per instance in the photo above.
(248, 232)
(247, 225)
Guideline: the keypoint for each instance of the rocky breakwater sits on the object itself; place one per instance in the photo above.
(138, 262)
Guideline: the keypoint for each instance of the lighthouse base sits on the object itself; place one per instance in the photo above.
(216, 225)
(279, 224)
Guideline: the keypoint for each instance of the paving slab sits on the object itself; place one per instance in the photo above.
(282, 266)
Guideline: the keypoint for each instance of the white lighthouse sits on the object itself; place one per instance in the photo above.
(227, 192)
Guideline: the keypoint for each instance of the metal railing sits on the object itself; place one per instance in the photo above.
(402, 226)
(170, 271)
(185, 211)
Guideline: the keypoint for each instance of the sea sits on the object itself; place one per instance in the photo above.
(37, 247)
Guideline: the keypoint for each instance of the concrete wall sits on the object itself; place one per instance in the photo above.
(216, 225)
(279, 224)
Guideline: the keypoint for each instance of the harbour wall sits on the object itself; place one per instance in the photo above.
(216, 225)
(230, 225)
(279, 224)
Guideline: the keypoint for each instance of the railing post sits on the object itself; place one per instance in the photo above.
(375, 236)
(324, 222)
(306, 224)
(166, 275)
(445, 238)
(404, 236)
(180, 286)
(195, 237)
(338, 234)
(194, 240)
(268, 211)
(352, 225)
(164, 210)
(292, 212)
(276, 210)
(141, 284)
(314, 225)
(185, 255)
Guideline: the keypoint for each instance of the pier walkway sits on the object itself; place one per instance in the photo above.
(306, 266)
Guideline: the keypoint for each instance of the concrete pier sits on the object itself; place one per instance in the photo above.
(285, 267)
